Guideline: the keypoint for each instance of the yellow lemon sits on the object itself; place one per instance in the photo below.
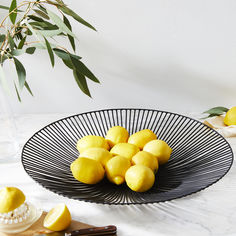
(10, 199)
(58, 218)
(116, 168)
(159, 149)
(91, 141)
(146, 159)
(99, 154)
(87, 170)
(127, 150)
(230, 116)
(142, 137)
(139, 178)
(116, 134)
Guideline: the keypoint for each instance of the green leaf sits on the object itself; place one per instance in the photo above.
(30, 50)
(7, 8)
(216, 110)
(18, 35)
(54, 3)
(69, 12)
(14, 13)
(81, 81)
(4, 7)
(11, 41)
(32, 17)
(57, 20)
(2, 37)
(68, 63)
(39, 45)
(50, 52)
(17, 93)
(28, 32)
(42, 14)
(17, 52)
(3, 58)
(71, 39)
(34, 33)
(21, 43)
(49, 33)
(44, 25)
(65, 55)
(203, 118)
(60, 1)
(28, 88)
(83, 69)
(62, 54)
(20, 72)
(41, 8)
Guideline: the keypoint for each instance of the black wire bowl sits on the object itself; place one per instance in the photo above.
(200, 156)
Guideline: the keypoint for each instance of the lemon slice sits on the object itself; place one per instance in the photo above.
(58, 218)
(10, 199)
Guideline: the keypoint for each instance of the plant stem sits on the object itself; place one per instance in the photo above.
(23, 4)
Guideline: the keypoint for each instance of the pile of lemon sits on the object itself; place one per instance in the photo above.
(122, 158)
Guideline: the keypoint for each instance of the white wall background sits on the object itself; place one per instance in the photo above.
(165, 54)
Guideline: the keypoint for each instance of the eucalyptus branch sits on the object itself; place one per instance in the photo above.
(38, 22)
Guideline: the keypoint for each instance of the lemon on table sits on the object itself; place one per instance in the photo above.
(57, 219)
(10, 199)
(116, 134)
(159, 149)
(127, 150)
(142, 137)
(139, 178)
(87, 170)
(230, 116)
(91, 141)
(146, 159)
(99, 154)
(116, 168)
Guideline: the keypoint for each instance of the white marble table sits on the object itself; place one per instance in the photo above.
(209, 212)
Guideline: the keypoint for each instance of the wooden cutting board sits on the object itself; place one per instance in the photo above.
(38, 226)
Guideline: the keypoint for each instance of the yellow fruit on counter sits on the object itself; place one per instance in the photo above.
(160, 149)
(230, 116)
(127, 150)
(91, 141)
(99, 154)
(57, 219)
(116, 134)
(87, 170)
(10, 199)
(142, 137)
(116, 168)
(139, 178)
(146, 159)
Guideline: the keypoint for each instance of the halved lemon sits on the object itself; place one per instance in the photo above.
(10, 199)
(58, 218)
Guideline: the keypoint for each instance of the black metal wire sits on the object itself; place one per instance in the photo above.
(200, 156)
